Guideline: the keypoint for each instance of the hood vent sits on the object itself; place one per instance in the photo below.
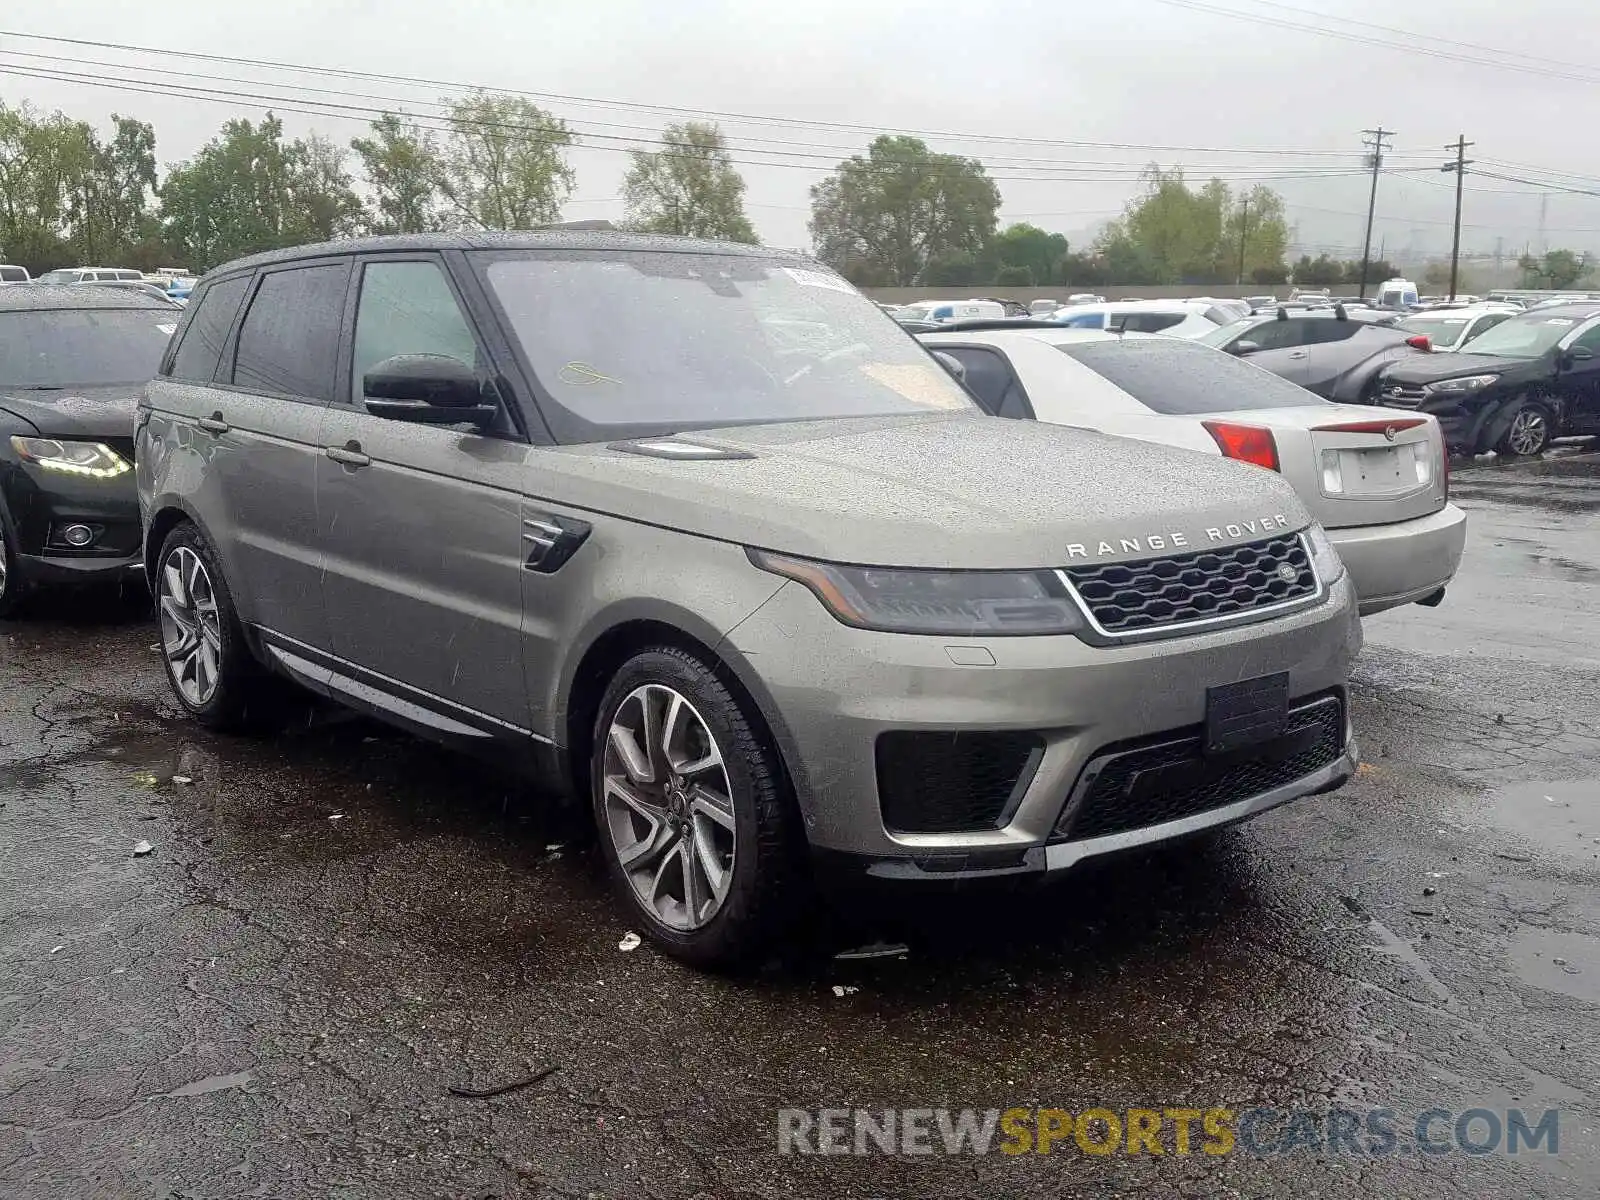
(673, 447)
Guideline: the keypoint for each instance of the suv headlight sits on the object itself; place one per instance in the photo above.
(950, 603)
(1465, 383)
(1323, 556)
(93, 459)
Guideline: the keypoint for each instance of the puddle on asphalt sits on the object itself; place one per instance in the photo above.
(1556, 567)
(212, 1083)
(1568, 963)
(1563, 817)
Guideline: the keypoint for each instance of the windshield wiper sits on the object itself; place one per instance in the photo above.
(38, 387)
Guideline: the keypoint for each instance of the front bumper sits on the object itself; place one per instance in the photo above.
(1403, 562)
(40, 505)
(834, 690)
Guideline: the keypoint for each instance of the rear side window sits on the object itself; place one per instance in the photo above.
(201, 348)
(289, 340)
(1182, 378)
(14, 274)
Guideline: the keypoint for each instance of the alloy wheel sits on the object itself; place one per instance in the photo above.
(5, 566)
(1527, 434)
(191, 632)
(668, 807)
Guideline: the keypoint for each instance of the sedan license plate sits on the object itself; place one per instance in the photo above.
(1245, 713)
(1377, 470)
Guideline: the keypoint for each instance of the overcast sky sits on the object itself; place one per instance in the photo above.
(1134, 72)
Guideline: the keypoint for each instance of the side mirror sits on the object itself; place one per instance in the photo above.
(430, 389)
(1578, 354)
(952, 364)
(1243, 348)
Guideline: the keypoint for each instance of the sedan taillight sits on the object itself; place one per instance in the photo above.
(1247, 443)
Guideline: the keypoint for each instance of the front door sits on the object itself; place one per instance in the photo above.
(1579, 383)
(421, 525)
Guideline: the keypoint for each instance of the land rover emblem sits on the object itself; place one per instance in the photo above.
(1287, 573)
(1389, 433)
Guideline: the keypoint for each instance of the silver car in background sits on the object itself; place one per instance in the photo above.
(1378, 482)
(695, 533)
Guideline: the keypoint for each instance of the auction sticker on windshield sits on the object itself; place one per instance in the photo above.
(817, 279)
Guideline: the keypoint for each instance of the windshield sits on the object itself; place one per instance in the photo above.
(1224, 334)
(58, 277)
(1184, 378)
(82, 347)
(1522, 337)
(629, 344)
(1443, 332)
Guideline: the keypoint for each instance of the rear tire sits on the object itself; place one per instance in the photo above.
(1530, 432)
(694, 812)
(213, 674)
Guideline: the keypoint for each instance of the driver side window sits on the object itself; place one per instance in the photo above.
(407, 308)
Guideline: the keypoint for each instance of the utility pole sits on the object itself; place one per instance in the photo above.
(1244, 233)
(1460, 168)
(1373, 140)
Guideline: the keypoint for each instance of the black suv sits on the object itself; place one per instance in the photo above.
(1531, 378)
(72, 361)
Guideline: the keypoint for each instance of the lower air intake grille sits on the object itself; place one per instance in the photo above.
(1182, 588)
(952, 783)
(1138, 787)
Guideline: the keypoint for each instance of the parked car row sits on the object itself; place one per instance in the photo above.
(695, 536)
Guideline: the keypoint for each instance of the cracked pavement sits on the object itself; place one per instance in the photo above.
(338, 924)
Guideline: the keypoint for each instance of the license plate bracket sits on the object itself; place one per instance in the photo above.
(1246, 713)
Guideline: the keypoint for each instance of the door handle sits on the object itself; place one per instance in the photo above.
(214, 423)
(349, 454)
(1297, 354)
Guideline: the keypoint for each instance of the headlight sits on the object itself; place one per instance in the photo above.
(1323, 556)
(1466, 383)
(94, 459)
(958, 603)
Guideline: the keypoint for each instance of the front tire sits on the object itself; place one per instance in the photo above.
(693, 810)
(209, 665)
(13, 584)
(1531, 429)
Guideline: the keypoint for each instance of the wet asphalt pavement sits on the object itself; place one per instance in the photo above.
(337, 925)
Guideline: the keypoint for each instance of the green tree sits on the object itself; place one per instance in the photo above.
(248, 190)
(402, 165)
(1014, 276)
(1084, 270)
(1557, 269)
(688, 187)
(1378, 270)
(951, 270)
(889, 214)
(35, 165)
(1321, 271)
(1270, 276)
(503, 162)
(1257, 222)
(1027, 246)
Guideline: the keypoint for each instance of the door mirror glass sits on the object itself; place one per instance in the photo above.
(1579, 354)
(434, 389)
(1243, 348)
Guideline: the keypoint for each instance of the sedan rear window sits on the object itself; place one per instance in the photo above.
(82, 347)
(1183, 378)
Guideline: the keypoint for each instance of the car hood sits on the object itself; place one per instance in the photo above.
(97, 413)
(944, 490)
(1428, 368)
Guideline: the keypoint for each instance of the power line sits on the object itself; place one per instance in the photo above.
(820, 164)
(1495, 63)
(755, 118)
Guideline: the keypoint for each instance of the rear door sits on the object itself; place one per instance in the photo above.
(278, 377)
(422, 524)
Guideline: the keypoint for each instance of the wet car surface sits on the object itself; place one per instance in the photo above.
(336, 926)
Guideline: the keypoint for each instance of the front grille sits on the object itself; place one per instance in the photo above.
(952, 782)
(1181, 588)
(1399, 396)
(1110, 797)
